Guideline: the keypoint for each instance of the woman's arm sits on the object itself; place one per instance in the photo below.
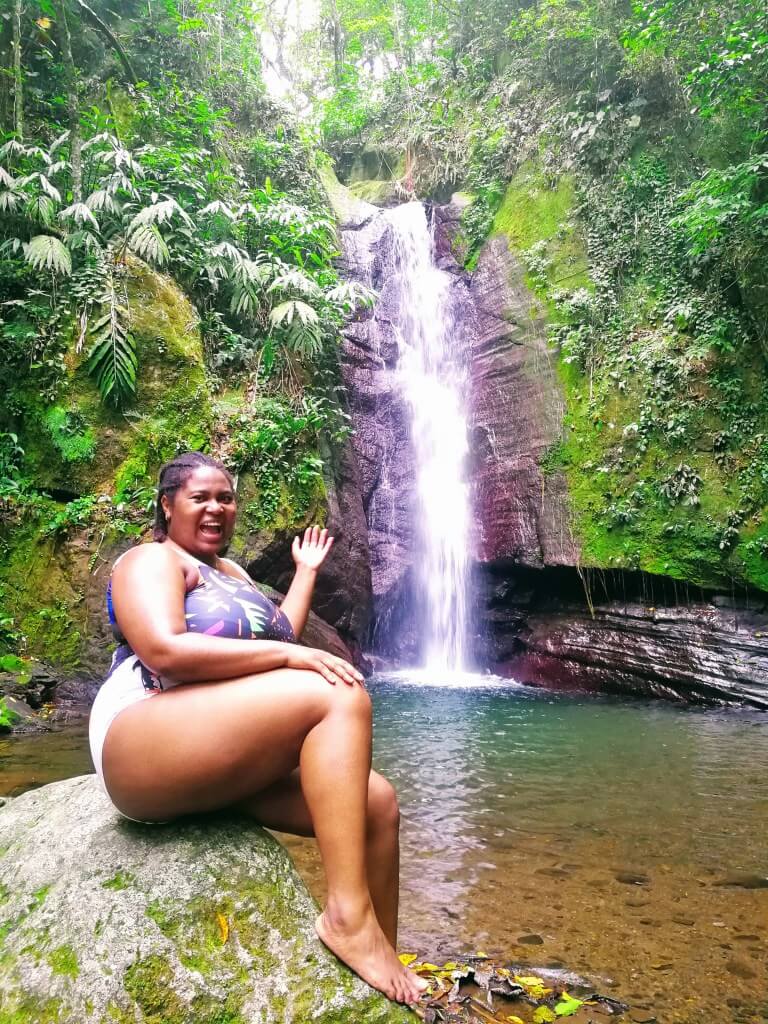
(148, 592)
(308, 554)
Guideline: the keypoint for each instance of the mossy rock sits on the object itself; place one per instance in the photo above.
(378, 192)
(78, 445)
(618, 510)
(105, 920)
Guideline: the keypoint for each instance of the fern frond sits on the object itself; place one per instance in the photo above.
(147, 242)
(97, 140)
(119, 182)
(246, 300)
(58, 167)
(9, 201)
(44, 252)
(102, 199)
(159, 213)
(12, 245)
(41, 209)
(80, 214)
(348, 295)
(217, 206)
(122, 158)
(293, 280)
(112, 360)
(227, 251)
(58, 142)
(50, 189)
(287, 312)
(83, 240)
(12, 148)
(6, 180)
(255, 272)
(40, 153)
(301, 324)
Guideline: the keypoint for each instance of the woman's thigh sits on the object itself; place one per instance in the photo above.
(201, 746)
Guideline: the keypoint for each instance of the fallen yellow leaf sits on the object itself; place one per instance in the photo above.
(515, 1020)
(426, 967)
(223, 927)
(406, 959)
(533, 986)
(543, 1015)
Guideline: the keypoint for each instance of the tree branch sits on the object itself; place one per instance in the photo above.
(90, 15)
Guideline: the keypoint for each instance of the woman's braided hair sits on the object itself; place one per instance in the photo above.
(173, 475)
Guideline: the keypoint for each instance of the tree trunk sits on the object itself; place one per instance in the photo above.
(73, 106)
(18, 86)
(338, 43)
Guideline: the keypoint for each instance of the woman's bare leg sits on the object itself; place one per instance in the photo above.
(208, 745)
(282, 806)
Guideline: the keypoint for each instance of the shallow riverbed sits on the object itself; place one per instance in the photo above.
(623, 840)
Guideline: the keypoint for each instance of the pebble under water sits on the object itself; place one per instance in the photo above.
(621, 840)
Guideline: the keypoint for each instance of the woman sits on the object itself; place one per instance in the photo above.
(193, 719)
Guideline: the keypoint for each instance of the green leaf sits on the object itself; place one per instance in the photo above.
(44, 252)
(11, 663)
(112, 360)
(568, 1005)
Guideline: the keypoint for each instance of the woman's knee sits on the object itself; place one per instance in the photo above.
(383, 806)
(326, 698)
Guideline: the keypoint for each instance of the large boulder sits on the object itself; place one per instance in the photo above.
(199, 922)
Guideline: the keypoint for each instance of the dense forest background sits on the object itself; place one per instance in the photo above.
(167, 254)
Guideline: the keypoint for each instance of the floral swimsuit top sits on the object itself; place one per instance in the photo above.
(218, 605)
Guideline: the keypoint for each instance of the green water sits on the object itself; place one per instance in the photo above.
(622, 840)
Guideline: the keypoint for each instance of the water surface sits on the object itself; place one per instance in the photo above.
(624, 840)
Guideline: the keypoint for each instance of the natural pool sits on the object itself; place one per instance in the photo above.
(623, 840)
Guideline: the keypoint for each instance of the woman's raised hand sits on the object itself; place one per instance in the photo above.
(311, 551)
(332, 669)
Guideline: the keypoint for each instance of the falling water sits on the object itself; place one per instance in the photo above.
(433, 384)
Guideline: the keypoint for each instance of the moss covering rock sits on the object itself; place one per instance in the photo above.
(107, 920)
(652, 406)
(77, 445)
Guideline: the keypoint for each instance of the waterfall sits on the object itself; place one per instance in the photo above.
(433, 384)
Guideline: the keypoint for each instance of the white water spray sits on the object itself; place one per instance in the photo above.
(434, 385)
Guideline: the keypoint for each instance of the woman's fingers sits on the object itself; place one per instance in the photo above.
(336, 670)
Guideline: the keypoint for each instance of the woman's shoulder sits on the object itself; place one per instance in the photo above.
(149, 555)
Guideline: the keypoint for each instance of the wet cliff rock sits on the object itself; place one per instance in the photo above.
(205, 921)
(380, 442)
(516, 414)
(623, 633)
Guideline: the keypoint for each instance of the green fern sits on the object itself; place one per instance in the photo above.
(301, 324)
(112, 360)
(147, 242)
(45, 252)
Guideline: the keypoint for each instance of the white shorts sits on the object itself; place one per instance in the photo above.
(122, 688)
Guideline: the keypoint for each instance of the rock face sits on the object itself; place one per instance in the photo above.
(517, 413)
(343, 595)
(204, 921)
(381, 440)
(624, 633)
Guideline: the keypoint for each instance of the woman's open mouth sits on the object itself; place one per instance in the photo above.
(212, 530)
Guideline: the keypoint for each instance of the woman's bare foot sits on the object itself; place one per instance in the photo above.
(361, 944)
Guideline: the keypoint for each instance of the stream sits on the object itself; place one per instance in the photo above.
(622, 840)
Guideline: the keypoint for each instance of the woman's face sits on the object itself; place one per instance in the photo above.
(201, 516)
